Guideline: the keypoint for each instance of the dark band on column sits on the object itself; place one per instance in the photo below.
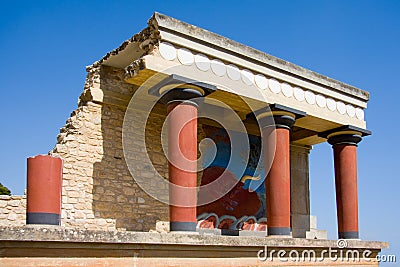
(278, 230)
(348, 235)
(43, 218)
(182, 226)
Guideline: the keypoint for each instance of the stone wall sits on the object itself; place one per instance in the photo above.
(98, 190)
(12, 210)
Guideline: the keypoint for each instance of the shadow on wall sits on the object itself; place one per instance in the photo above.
(116, 195)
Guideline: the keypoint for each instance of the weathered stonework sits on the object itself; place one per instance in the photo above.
(74, 247)
(98, 190)
(12, 210)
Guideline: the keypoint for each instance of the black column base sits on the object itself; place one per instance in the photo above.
(348, 235)
(43, 218)
(182, 226)
(278, 230)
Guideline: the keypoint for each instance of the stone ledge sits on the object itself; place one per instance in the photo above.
(40, 233)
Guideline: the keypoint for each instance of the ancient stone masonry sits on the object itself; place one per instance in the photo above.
(12, 210)
(98, 189)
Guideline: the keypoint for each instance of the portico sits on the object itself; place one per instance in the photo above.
(182, 139)
(305, 109)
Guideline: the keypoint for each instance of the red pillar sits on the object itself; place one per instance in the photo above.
(345, 157)
(276, 146)
(182, 153)
(182, 166)
(180, 95)
(277, 185)
(44, 181)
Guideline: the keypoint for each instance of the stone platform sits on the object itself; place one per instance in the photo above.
(56, 246)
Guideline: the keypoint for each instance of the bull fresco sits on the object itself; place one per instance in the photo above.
(243, 207)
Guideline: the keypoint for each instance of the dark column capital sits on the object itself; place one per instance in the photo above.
(346, 134)
(182, 89)
(278, 116)
(348, 139)
(180, 95)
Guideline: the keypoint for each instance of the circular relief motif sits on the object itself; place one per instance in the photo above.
(360, 113)
(331, 104)
(233, 72)
(202, 62)
(341, 107)
(287, 89)
(351, 111)
(247, 77)
(298, 93)
(261, 81)
(185, 56)
(274, 86)
(218, 67)
(167, 51)
(310, 97)
(321, 101)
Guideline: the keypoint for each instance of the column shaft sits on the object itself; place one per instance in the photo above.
(44, 181)
(277, 183)
(345, 157)
(182, 153)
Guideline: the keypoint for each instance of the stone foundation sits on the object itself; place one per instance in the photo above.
(56, 246)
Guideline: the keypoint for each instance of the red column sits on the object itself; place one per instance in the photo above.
(44, 181)
(345, 157)
(276, 139)
(182, 166)
(278, 186)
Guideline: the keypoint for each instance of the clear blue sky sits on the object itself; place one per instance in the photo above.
(45, 46)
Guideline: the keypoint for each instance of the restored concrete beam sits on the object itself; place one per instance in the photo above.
(168, 26)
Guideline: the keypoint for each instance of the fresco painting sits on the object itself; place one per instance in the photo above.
(243, 207)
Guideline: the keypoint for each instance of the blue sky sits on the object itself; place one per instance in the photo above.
(45, 46)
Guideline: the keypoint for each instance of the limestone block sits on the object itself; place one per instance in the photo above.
(162, 226)
(208, 231)
(313, 222)
(253, 233)
(317, 234)
(14, 203)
